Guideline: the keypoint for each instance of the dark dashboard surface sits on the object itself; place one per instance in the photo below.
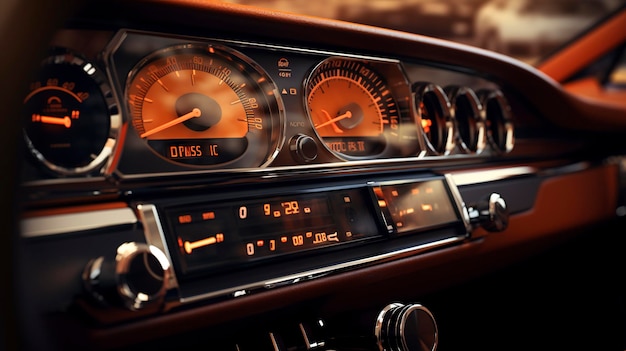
(211, 173)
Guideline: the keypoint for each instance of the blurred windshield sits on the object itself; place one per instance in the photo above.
(525, 29)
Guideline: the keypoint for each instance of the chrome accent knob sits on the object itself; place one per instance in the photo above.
(490, 213)
(409, 327)
(303, 148)
(135, 278)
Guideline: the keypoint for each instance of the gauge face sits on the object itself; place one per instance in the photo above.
(68, 124)
(352, 109)
(205, 106)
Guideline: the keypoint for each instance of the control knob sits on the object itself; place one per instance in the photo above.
(491, 213)
(303, 148)
(135, 278)
(409, 327)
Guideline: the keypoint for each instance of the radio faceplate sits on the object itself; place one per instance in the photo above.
(237, 243)
(212, 236)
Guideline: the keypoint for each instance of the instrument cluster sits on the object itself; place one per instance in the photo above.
(147, 104)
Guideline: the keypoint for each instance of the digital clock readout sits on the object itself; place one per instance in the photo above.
(216, 236)
(219, 234)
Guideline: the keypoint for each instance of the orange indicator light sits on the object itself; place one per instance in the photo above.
(427, 207)
(307, 210)
(382, 203)
(394, 193)
(184, 219)
(309, 234)
(283, 239)
(429, 190)
(426, 124)
(415, 191)
(260, 243)
(347, 199)
(208, 215)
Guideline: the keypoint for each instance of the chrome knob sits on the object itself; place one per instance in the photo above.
(135, 278)
(303, 148)
(409, 327)
(490, 213)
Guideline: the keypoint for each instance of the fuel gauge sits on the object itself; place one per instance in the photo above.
(70, 116)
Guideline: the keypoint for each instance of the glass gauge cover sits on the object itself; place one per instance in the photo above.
(205, 105)
(353, 110)
(70, 117)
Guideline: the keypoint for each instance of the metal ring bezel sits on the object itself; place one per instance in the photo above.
(471, 134)
(499, 122)
(431, 96)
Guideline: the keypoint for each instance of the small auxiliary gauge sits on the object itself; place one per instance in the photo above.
(70, 116)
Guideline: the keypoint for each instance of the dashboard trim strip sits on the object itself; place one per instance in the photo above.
(316, 273)
(485, 176)
(155, 236)
(75, 222)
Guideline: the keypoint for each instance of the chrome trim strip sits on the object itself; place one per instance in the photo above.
(316, 273)
(156, 236)
(458, 201)
(485, 176)
(75, 222)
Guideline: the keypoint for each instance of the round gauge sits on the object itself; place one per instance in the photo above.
(498, 120)
(70, 121)
(469, 121)
(433, 108)
(352, 110)
(205, 105)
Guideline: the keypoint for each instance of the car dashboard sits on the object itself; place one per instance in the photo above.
(204, 174)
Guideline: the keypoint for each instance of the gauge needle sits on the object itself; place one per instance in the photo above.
(193, 114)
(63, 121)
(332, 121)
(192, 245)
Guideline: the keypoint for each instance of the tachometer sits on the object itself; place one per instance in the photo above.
(353, 110)
(205, 105)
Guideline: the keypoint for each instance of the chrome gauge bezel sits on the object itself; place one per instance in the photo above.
(387, 86)
(499, 120)
(469, 119)
(230, 69)
(102, 159)
(434, 118)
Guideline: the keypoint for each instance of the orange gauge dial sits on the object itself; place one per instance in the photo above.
(352, 109)
(71, 121)
(205, 105)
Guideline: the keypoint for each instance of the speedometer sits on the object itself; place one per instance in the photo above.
(205, 105)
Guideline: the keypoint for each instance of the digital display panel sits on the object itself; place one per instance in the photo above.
(417, 205)
(214, 235)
